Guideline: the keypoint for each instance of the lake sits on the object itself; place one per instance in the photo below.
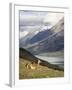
(53, 60)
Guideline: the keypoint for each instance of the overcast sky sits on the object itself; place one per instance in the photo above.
(34, 20)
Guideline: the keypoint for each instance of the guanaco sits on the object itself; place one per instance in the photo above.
(33, 65)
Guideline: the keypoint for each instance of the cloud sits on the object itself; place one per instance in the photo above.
(23, 34)
(31, 17)
(53, 18)
(28, 18)
(34, 21)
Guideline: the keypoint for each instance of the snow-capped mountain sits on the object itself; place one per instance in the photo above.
(28, 32)
(48, 40)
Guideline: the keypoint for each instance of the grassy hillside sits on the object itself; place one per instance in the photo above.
(43, 70)
(40, 72)
(29, 57)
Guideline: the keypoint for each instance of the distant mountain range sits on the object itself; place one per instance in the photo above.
(48, 40)
(47, 32)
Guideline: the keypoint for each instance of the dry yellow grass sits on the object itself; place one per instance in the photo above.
(39, 72)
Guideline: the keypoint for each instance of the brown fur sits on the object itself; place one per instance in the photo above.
(32, 66)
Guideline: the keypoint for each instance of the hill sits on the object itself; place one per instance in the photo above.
(44, 70)
(39, 72)
(31, 58)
